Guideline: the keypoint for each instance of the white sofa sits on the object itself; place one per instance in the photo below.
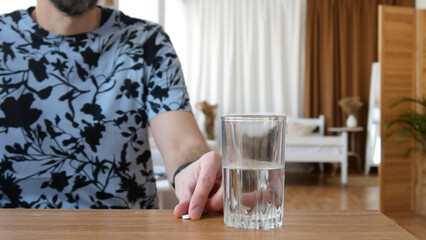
(306, 143)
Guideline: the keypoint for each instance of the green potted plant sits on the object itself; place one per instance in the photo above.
(412, 123)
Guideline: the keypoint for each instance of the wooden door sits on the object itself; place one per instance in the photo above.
(397, 57)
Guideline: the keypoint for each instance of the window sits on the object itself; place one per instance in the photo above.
(143, 9)
(168, 13)
(10, 6)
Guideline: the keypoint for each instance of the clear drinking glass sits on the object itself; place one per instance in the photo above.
(253, 150)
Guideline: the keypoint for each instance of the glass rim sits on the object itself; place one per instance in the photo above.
(253, 117)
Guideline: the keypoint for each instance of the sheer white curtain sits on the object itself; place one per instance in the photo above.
(246, 55)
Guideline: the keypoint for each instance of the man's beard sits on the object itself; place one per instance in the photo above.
(74, 7)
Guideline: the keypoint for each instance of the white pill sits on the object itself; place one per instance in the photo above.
(185, 217)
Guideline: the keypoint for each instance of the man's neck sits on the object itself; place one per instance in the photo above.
(53, 20)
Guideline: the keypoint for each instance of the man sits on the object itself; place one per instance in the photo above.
(79, 85)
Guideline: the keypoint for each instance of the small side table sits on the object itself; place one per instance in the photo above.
(351, 134)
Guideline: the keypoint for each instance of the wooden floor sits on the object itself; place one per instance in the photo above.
(323, 192)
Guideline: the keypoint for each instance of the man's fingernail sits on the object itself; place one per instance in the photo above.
(196, 211)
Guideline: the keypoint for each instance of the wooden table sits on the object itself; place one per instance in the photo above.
(161, 224)
(351, 134)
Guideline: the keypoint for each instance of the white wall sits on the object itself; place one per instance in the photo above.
(421, 4)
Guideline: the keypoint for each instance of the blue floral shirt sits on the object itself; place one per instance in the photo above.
(74, 112)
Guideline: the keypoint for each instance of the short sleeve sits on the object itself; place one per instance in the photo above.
(166, 89)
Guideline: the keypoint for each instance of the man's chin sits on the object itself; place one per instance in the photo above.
(74, 7)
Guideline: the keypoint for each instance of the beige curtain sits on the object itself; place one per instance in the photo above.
(341, 44)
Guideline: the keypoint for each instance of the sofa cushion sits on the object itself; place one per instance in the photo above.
(295, 129)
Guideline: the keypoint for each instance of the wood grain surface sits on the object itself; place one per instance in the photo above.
(397, 57)
(161, 224)
(421, 92)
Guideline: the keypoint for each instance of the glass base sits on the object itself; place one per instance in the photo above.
(239, 218)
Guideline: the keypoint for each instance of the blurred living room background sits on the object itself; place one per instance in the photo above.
(306, 59)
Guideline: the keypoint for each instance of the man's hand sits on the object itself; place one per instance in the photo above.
(199, 187)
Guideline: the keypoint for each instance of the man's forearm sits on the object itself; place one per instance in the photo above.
(178, 138)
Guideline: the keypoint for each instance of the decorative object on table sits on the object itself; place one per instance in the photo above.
(210, 115)
(109, 3)
(411, 123)
(351, 121)
(351, 105)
